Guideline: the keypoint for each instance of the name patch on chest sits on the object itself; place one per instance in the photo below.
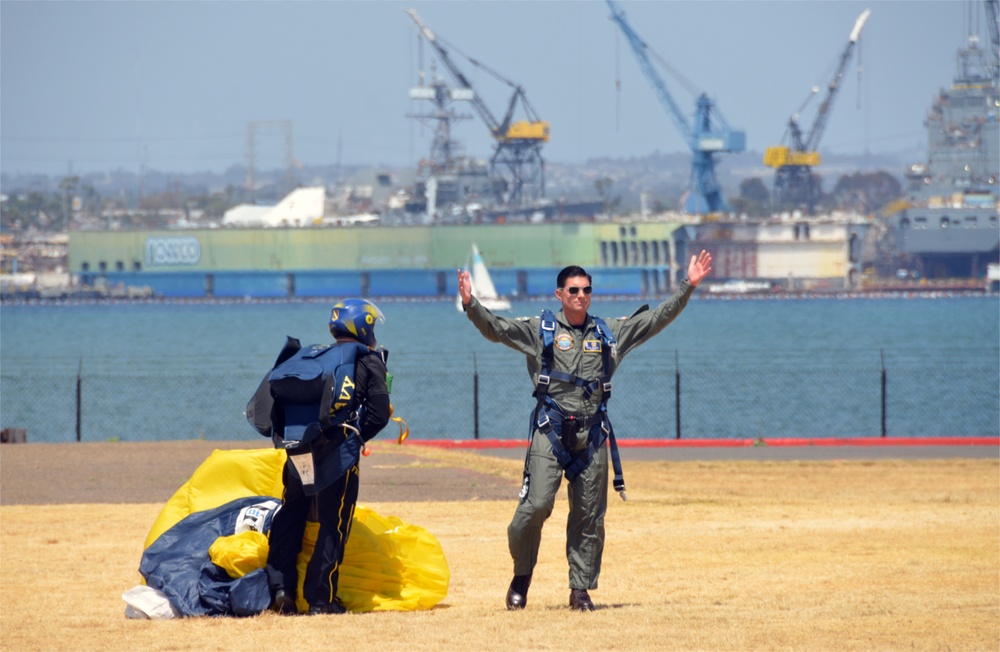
(564, 341)
(592, 346)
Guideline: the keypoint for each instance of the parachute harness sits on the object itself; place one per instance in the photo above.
(560, 428)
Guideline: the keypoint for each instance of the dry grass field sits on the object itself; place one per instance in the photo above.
(819, 555)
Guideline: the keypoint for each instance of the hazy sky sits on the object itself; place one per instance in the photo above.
(92, 86)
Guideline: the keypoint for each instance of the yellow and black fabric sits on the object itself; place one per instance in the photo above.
(194, 554)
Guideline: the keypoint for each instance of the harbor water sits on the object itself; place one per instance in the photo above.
(806, 367)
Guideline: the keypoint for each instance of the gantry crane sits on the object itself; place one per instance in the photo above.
(709, 135)
(517, 169)
(443, 148)
(794, 184)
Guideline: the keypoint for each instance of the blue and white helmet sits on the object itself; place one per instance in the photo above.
(355, 318)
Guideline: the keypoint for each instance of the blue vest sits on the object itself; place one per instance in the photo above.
(313, 390)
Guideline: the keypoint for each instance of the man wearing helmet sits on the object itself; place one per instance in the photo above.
(571, 357)
(361, 413)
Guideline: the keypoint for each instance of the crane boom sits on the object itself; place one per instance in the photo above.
(517, 169)
(708, 135)
(992, 17)
(477, 102)
(793, 179)
(639, 49)
(819, 124)
(501, 130)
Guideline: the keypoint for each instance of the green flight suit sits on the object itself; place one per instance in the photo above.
(588, 492)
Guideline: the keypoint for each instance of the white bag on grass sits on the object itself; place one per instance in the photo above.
(146, 602)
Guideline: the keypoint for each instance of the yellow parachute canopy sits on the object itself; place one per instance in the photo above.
(389, 565)
(239, 554)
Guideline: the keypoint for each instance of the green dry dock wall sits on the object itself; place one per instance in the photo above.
(521, 246)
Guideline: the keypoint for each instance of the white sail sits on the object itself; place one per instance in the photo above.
(482, 285)
(481, 277)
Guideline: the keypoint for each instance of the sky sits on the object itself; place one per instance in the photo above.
(172, 86)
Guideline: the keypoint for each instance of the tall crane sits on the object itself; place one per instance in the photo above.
(516, 168)
(444, 148)
(709, 135)
(993, 18)
(794, 183)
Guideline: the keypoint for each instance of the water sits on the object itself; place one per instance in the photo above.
(777, 368)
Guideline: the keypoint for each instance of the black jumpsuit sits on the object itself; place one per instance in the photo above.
(333, 506)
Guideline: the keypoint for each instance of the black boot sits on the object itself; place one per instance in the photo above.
(333, 608)
(517, 594)
(579, 600)
(283, 603)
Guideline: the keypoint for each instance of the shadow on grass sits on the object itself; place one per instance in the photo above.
(597, 606)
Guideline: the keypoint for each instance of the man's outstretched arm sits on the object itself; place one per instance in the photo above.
(639, 328)
(518, 334)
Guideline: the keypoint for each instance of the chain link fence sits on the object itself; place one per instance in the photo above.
(664, 395)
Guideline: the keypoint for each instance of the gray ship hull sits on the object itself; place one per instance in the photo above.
(949, 227)
(948, 242)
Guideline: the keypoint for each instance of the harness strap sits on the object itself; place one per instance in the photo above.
(616, 465)
(547, 328)
(547, 416)
(588, 386)
(544, 424)
(607, 351)
(599, 429)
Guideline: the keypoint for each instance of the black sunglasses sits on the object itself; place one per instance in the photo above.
(576, 290)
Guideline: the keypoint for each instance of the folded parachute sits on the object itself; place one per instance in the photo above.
(207, 550)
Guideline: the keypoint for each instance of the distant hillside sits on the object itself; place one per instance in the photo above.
(663, 176)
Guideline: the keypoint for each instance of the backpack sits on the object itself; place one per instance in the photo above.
(308, 391)
(315, 388)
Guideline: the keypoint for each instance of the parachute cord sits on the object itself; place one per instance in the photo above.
(404, 430)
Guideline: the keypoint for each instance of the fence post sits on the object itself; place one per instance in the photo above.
(677, 392)
(475, 397)
(79, 372)
(882, 351)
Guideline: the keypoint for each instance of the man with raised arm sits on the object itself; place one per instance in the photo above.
(571, 357)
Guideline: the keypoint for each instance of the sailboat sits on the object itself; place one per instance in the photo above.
(482, 285)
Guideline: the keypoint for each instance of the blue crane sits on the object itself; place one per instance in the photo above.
(709, 135)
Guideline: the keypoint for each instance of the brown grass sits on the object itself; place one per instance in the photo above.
(704, 556)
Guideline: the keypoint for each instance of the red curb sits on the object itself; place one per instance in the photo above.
(477, 444)
(474, 444)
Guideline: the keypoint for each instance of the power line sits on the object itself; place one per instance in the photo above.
(116, 139)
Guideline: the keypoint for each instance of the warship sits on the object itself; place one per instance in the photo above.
(947, 226)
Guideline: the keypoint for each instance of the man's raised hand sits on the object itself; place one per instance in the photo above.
(464, 287)
(699, 267)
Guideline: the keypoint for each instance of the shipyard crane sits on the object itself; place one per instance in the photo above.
(517, 169)
(794, 184)
(993, 18)
(709, 135)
